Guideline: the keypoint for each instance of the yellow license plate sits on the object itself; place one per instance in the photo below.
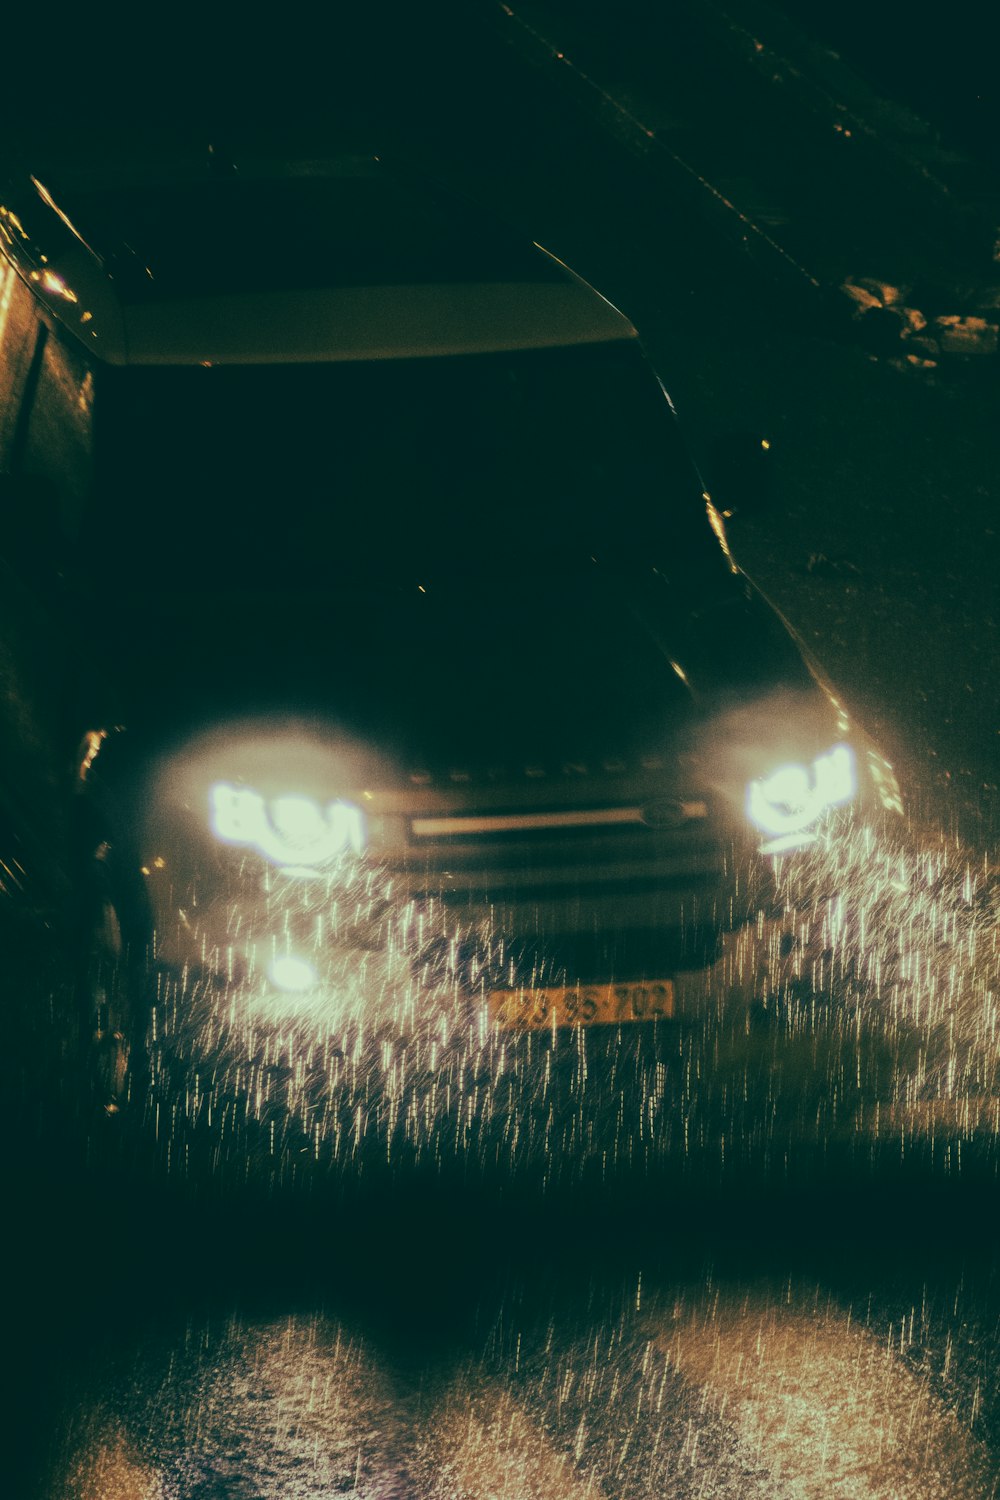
(583, 1005)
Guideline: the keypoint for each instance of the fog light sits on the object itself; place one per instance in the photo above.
(290, 973)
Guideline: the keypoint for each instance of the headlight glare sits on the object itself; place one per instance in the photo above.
(792, 798)
(291, 831)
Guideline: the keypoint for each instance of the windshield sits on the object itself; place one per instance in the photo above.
(390, 470)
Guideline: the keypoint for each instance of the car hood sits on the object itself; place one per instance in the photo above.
(526, 671)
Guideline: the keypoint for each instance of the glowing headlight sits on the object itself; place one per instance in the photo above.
(789, 801)
(294, 832)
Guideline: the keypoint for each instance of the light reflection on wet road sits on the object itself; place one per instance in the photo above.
(711, 1390)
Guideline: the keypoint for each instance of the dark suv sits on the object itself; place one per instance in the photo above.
(405, 618)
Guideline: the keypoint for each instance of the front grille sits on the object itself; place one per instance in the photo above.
(480, 826)
(582, 890)
(545, 869)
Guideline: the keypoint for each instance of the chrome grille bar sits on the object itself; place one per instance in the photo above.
(594, 817)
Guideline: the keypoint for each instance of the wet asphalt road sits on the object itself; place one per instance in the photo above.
(695, 1381)
(790, 1286)
(447, 1349)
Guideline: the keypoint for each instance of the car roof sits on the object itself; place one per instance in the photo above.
(186, 261)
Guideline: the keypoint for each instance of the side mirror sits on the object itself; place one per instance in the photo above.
(737, 471)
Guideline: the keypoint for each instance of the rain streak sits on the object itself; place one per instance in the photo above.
(859, 1012)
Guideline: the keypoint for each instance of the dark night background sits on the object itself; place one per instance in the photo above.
(161, 1323)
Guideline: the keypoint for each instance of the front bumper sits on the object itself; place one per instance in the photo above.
(618, 877)
(500, 907)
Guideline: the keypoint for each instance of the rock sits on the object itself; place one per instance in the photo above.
(908, 320)
(913, 363)
(882, 328)
(912, 317)
(857, 294)
(926, 346)
(882, 291)
(958, 335)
